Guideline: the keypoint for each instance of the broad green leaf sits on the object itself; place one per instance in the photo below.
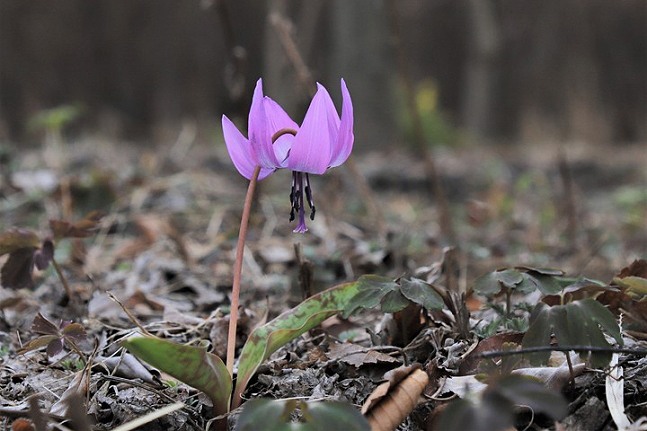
(370, 291)
(523, 390)
(494, 409)
(491, 284)
(546, 284)
(334, 415)
(192, 365)
(421, 293)
(275, 415)
(393, 302)
(266, 339)
(539, 332)
(266, 414)
(579, 323)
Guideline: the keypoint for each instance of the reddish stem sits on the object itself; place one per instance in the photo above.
(238, 267)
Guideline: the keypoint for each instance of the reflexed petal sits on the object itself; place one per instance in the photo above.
(310, 151)
(239, 148)
(344, 143)
(259, 135)
(277, 118)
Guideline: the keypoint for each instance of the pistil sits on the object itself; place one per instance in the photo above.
(296, 200)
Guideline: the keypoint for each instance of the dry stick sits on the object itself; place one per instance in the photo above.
(61, 277)
(445, 220)
(238, 267)
(283, 27)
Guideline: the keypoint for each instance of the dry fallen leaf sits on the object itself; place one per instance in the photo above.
(392, 401)
(356, 355)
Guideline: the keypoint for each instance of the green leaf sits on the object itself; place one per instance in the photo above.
(421, 293)
(270, 415)
(494, 409)
(334, 415)
(266, 339)
(491, 284)
(275, 415)
(370, 291)
(578, 323)
(546, 284)
(393, 302)
(523, 390)
(192, 365)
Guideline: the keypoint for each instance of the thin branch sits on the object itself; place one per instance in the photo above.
(592, 349)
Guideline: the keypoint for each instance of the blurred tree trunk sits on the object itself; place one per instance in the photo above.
(481, 69)
(361, 55)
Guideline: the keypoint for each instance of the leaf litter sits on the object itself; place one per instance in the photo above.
(164, 248)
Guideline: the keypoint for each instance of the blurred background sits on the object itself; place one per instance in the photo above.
(480, 70)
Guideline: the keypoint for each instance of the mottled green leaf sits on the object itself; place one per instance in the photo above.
(191, 365)
(421, 293)
(370, 291)
(266, 339)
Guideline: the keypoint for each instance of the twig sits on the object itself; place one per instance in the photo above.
(592, 349)
(445, 220)
(282, 26)
(130, 315)
(238, 267)
(61, 277)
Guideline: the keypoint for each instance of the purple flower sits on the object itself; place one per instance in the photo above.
(323, 141)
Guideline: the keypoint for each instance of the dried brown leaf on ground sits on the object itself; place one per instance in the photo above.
(392, 401)
(356, 355)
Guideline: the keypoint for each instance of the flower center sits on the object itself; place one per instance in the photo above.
(300, 188)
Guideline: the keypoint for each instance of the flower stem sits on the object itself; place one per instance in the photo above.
(238, 267)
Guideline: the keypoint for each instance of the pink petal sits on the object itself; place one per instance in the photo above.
(344, 142)
(259, 134)
(277, 118)
(310, 151)
(241, 151)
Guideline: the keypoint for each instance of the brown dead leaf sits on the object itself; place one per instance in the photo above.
(356, 355)
(637, 268)
(494, 343)
(80, 229)
(392, 401)
(78, 388)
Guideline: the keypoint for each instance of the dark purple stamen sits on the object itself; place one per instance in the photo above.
(296, 200)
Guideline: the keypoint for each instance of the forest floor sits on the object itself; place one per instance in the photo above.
(161, 257)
